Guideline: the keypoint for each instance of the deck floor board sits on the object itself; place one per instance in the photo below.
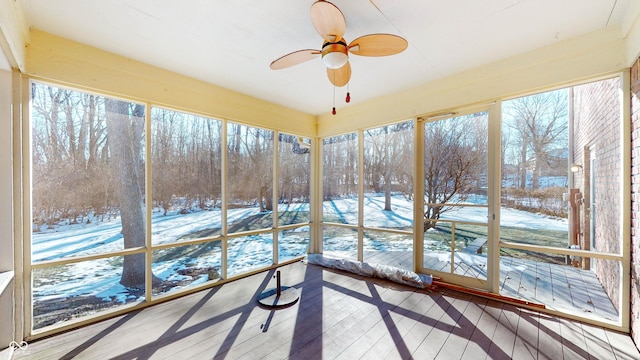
(559, 287)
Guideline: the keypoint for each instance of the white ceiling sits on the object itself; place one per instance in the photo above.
(231, 43)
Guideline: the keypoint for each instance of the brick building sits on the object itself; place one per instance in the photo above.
(596, 141)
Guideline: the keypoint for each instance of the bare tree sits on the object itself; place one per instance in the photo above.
(541, 122)
(124, 125)
(250, 165)
(388, 152)
(163, 152)
(68, 142)
(293, 179)
(454, 162)
(340, 165)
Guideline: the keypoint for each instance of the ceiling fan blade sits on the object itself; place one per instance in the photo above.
(328, 20)
(378, 45)
(294, 58)
(341, 76)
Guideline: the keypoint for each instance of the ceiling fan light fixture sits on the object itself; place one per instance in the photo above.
(334, 55)
(335, 60)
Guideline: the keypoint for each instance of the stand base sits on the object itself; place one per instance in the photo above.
(288, 296)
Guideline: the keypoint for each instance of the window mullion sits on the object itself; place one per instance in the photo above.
(148, 288)
(493, 192)
(274, 193)
(360, 194)
(418, 195)
(224, 190)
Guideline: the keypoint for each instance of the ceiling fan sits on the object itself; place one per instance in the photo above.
(329, 22)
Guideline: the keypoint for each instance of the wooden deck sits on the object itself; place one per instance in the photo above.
(339, 316)
(563, 288)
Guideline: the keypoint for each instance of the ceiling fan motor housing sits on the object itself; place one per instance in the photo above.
(335, 54)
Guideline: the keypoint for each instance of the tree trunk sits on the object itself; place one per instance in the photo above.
(387, 197)
(535, 181)
(387, 170)
(523, 164)
(268, 199)
(123, 146)
(431, 216)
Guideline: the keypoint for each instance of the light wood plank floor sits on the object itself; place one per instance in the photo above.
(339, 316)
(560, 287)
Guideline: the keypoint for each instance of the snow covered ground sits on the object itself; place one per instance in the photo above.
(100, 278)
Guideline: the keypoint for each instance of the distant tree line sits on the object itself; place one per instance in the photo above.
(73, 173)
(71, 177)
(186, 161)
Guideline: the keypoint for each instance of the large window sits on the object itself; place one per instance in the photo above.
(387, 209)
(388, 176)
(535, 148)
(88, 191)
(294, 193)
(340, 195)
(250, 207)
(340, 179)
(376, 196)
(186, 165)
(132, 202)
(126, 209)
(250, 173)
(521, 198)
(561, 155)
(455, 195)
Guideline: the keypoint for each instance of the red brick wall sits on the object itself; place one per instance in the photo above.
(596, 130)
(635, 203)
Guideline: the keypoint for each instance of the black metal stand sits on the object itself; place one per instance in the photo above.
(280, 297)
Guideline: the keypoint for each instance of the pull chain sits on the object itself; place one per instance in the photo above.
(334, 100)
(348, 98)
